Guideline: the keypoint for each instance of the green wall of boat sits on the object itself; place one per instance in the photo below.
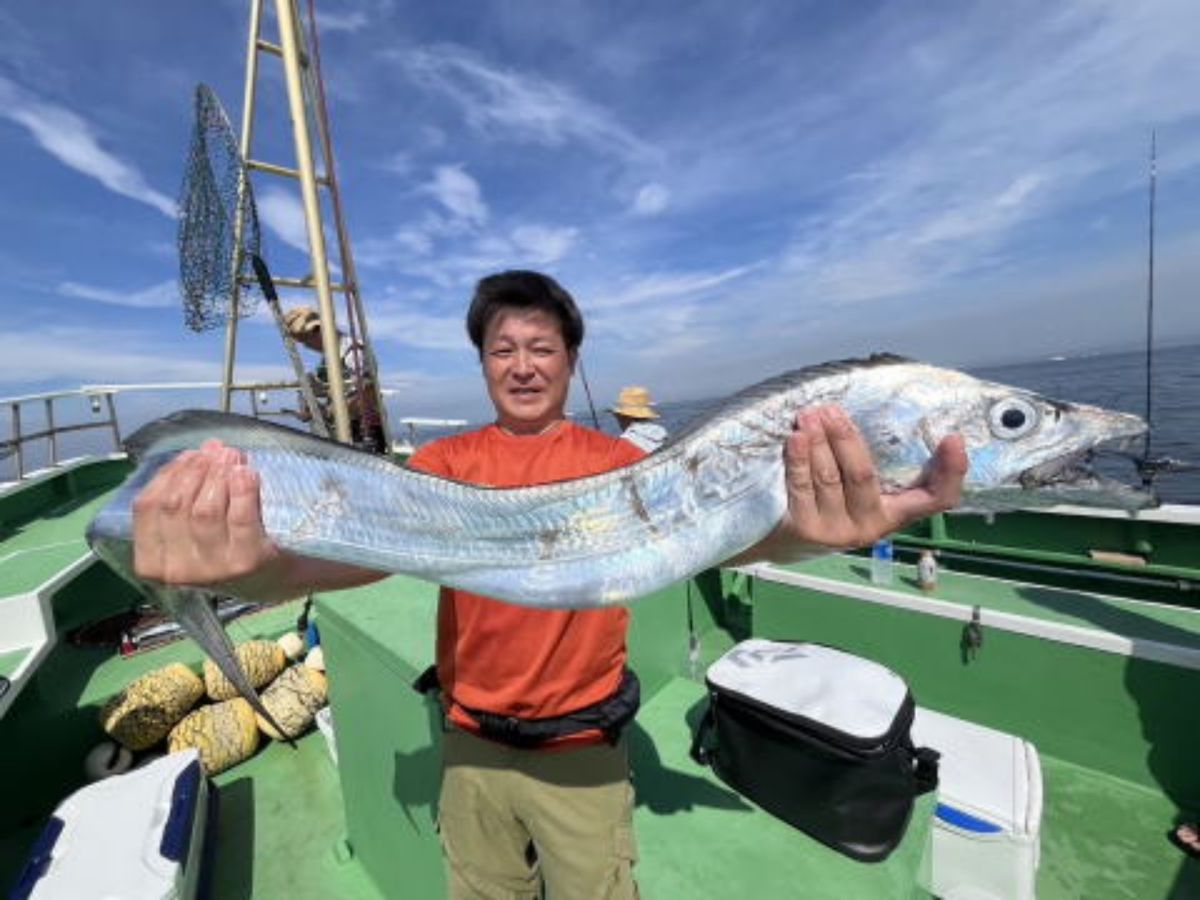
(1163, 565)
(59, 491)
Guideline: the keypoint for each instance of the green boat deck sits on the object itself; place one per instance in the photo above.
(1108, 697)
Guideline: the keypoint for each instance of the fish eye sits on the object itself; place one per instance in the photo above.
(1012, 418)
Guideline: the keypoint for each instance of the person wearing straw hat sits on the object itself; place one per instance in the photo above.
(303, 325)
(635, 416)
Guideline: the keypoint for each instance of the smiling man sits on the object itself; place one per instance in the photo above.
(518, 683)
(535, 785)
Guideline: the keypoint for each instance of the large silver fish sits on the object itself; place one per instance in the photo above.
(711, 492)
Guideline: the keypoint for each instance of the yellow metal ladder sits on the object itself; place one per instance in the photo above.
(309, 117)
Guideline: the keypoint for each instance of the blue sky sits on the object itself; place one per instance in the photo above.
(730, 190)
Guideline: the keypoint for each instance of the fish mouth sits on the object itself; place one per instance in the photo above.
(1074, 478)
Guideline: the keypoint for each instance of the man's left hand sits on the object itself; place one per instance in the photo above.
(834, 498)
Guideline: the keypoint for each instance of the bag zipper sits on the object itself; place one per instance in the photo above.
(897, 733)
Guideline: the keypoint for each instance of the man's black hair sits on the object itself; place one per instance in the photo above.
(521, 289)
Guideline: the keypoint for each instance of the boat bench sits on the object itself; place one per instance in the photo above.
(27, 633)
(41, 549)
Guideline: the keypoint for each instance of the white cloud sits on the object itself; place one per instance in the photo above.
(459, 193)
(657, 288)
(398, 163)
(518, 106)
(392, 323)
(651, 200)
(345, 21)
(77, 355)
(419, 242)
(157, 296)
(283, 213)
(1021, 188)
(1000, 146)
(543, 245)
(70, 140)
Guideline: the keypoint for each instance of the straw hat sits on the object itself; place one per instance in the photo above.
(301, 320)
(635, 403)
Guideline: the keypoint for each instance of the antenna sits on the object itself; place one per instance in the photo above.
(1150, 308)
(587, 389)
(1148, 467)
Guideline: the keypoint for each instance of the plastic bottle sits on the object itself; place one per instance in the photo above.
(927, 571)
(881, 562)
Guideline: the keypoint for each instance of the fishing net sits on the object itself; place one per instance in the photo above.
(218, 223)
(220, 241)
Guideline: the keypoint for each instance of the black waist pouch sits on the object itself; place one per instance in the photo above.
(609, 715)
(820, 739)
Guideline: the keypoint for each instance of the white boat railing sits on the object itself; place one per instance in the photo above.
(411, 426)
(101, 399)
(16, 444)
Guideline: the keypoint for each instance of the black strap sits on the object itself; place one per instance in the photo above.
(925, 772)
(427, 681)
(610, 715)
(699, 752)
(302, 620)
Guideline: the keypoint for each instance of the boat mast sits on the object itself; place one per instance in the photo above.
(1150, 303)
(306, 105)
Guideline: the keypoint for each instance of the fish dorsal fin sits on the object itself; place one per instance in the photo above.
(187, 429)
(788, 380)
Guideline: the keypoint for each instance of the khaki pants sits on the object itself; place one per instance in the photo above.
(514, 820)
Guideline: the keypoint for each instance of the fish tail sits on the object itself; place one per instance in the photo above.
(193, 609)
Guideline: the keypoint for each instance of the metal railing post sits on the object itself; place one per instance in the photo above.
(16, 432)
(112, 418)
(53, 434)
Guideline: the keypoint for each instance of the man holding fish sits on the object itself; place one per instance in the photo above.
(535, 775)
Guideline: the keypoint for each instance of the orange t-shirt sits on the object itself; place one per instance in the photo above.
(516, 660)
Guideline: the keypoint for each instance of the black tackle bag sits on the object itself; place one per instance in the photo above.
(819, 738)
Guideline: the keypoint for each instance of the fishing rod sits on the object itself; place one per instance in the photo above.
(1146, 478)
(587, 389)
(1151, 467)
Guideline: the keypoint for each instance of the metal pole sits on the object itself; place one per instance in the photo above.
(51, 433)
(16, 432)
(239, 222)
(288, 33)
(1150, 304)
(112, 418)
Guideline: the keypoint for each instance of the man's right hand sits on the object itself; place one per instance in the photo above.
(198, 521)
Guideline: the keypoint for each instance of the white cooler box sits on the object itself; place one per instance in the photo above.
(989, 815)
(134, 836)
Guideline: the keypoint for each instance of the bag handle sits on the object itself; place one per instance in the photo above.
(925, 769)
